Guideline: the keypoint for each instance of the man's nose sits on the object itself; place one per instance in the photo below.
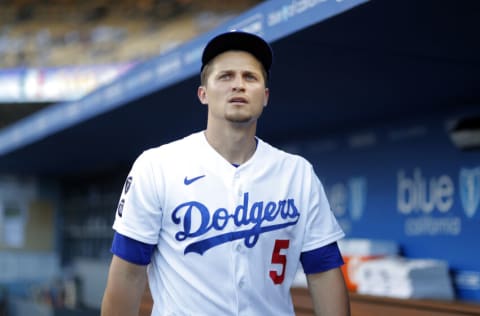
(238, 83)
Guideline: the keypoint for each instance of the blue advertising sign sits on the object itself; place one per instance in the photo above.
(410, 184)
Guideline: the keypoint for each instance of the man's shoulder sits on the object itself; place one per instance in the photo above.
(283, 154)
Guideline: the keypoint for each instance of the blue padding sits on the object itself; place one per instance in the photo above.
(132, 250)
(321, 259)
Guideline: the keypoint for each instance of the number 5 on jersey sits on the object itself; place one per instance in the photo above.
(278, 258)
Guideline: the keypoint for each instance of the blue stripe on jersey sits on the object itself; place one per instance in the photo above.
(321, 259)
(132, 250)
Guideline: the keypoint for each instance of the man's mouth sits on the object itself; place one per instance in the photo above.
(238, 100)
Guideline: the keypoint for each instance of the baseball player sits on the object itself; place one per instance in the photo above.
(220, 220)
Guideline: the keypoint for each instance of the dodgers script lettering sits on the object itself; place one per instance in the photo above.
(254, 217)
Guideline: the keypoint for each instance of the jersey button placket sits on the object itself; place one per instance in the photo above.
(234, 200)
(239, 250)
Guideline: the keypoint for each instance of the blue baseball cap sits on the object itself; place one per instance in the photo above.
(238, 40)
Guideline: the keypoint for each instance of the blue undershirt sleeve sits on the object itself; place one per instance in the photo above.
(321, 259)
(132, 250)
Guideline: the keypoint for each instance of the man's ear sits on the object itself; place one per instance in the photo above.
(202, 95)
(267, 94)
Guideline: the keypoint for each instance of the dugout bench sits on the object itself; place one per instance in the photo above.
(366, 305)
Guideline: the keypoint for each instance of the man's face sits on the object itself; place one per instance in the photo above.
(235, 88)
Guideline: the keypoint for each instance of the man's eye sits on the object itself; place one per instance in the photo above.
(225, 76)
(251, 77)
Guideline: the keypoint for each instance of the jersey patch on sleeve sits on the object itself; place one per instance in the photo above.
(132, 250)
(321, 259)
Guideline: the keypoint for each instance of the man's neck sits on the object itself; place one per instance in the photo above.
(235, 145)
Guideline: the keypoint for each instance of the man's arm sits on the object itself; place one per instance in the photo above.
(329, 293)
(125, 287)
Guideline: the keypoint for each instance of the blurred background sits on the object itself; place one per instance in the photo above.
(383, 97)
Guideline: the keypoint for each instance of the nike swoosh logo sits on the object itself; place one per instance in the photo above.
(187, 181)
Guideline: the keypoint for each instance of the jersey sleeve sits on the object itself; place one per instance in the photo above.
(139, 211)
(322, 227)
(132, 250)
(321, 259)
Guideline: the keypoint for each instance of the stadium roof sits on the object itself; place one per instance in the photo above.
(338, 65)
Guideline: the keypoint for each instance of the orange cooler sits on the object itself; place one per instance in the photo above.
(356, 250)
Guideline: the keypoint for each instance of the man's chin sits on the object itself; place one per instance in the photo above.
(238, 119)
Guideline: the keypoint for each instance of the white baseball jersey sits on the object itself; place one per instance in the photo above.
(228, 239)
